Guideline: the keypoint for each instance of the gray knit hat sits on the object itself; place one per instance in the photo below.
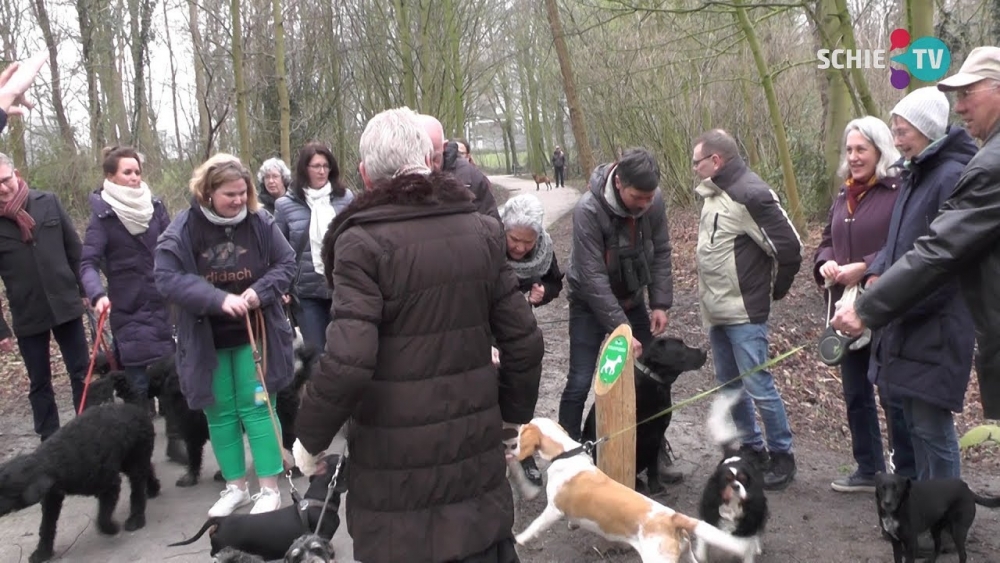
(927, 110)
(523, 210)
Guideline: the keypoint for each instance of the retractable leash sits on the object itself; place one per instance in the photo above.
(833, 344)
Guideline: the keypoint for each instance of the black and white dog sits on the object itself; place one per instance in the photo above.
(733, 499)
(655, 373)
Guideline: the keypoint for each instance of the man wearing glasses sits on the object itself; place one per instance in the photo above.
(963, 239)
(748, 255)
(40, 265)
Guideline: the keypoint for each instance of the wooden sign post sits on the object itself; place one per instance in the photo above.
(614, 389)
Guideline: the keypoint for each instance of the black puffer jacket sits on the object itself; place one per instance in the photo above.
(963, 243)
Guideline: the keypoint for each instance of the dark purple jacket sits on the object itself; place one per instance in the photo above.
(139, 318)
(195, 299)
(857, 239)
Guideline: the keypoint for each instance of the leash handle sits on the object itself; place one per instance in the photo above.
(105, 345)
(93, 358)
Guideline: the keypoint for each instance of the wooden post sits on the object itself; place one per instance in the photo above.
(614, 389)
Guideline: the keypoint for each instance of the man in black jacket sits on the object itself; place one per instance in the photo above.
(463, 171)
(621, 250)
(40, 267)
(962, 242)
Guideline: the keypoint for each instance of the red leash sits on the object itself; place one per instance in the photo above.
(98, 340)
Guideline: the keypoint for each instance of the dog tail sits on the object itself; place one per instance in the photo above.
(212, 521)
(988, 502)
(721, 427)
(712, 535)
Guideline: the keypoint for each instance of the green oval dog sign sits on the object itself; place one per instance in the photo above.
(612, 360)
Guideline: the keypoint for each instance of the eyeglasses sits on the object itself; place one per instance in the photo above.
(698, 161)
(963, 94)
(319, 166)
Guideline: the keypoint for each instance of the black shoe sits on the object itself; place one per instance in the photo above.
(781, 472)
(759, 459)
(177, 451)
(532, 472)
(667, 472)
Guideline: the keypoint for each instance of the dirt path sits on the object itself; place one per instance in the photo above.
(557, 201)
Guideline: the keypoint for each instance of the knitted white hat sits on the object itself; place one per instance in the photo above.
(927, 110)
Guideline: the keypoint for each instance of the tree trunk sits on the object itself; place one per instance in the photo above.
(920, 22)
(586, 156)
(173, 84)
(65, 131)
(242, 120)
(140, 14)
(204, 144)
(284, 105)
(97, 135)
(110, 79)
(839, 107)
(402, 11)
(785, 156)
(857, 74)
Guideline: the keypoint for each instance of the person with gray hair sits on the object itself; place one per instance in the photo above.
(273, 179)
(855, 232)
(422, 289)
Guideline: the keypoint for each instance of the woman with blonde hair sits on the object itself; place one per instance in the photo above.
(220, 261)
(855, 232)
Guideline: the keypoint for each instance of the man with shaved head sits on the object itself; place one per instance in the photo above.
(464, 171)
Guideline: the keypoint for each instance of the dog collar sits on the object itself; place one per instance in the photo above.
(585, 448)
(648, 372)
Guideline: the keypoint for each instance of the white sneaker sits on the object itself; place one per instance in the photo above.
(230, 499)
(266, 500)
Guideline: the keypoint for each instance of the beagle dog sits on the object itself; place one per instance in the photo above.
(584, 495)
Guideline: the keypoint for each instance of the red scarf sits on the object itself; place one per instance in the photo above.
(15, 211)
(856, 192)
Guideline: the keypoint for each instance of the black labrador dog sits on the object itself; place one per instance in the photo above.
(664, 360)
(271, 534)
(192, 424)
(85, 457)
(907, 508)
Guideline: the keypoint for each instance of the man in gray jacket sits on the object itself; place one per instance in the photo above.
(621, 246)
(748, 255)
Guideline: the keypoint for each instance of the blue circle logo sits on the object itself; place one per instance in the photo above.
(927, 59)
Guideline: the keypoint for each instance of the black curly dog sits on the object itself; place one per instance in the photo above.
(85, 457)
(666, 359)
(271, 534)
(192, 424)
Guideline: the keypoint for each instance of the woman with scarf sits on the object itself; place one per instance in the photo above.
(125, 221)
(303, 215)
(855, 232)
(532, 257)
(221, 261)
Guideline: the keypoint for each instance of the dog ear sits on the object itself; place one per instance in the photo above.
(37, 489)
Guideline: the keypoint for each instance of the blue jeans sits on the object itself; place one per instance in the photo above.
(313, 317)
(935, 442)
(737, 349)
(585, 338)
(138, 380)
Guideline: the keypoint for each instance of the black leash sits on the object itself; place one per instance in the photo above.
(588, 446)
(304, 504)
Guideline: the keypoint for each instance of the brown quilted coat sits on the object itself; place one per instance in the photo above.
(421, 290)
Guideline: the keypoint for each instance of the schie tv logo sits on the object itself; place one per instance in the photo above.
(927, 59)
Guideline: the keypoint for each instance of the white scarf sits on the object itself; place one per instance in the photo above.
(133, 206)
(322, 213)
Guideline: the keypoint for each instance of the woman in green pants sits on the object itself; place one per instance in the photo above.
(218, 262)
